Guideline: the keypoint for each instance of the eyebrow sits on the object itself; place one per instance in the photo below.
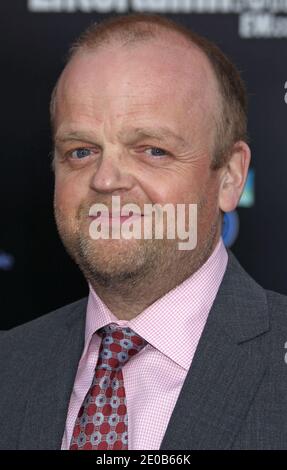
(131, 135)
(160, 133)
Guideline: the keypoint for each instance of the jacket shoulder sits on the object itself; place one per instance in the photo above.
(277, 305)
(45, 326)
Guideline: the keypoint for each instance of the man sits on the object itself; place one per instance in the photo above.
(174, 348)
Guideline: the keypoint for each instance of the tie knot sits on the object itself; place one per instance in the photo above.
(118, 345)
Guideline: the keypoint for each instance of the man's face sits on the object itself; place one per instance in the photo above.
(136, 122)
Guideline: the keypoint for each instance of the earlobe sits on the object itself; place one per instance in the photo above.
(234, 176)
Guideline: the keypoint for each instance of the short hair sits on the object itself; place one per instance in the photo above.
(136, 27)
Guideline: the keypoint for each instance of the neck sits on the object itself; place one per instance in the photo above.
(127, 298)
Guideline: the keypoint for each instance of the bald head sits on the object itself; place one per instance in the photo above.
(159, 73)
(227, 95)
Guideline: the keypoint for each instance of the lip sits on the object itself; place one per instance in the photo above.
(115, 217)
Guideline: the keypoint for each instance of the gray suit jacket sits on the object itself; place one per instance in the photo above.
(234, 395)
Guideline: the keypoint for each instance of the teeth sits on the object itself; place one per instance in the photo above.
(96, 211)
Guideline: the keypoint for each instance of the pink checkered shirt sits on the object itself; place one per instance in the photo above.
(154, 377)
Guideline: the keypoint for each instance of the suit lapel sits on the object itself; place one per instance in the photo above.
(50, 392)
(227, 368)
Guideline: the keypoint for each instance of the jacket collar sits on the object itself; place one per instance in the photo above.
(49, 394)
(227, 368)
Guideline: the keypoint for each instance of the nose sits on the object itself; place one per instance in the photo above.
(112, 173)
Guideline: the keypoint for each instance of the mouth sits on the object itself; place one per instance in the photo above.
(112, 217)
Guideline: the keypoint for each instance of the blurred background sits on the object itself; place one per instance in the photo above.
(36, 274)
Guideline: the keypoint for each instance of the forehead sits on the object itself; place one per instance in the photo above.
(162, 73)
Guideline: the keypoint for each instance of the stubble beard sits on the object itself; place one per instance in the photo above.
(123, 265)
(110, 263)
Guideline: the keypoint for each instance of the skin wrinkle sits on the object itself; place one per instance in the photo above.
(180, 46)
(106, 98)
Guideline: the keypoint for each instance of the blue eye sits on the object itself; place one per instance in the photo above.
(81, 153)
(158, 152)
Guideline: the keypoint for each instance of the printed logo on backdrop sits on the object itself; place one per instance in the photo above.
(248, 196)
(230, 228)
(7, 261)
(257, 18)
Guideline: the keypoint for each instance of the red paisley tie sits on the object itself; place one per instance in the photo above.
(102, 422)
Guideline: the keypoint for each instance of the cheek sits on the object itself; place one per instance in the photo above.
(209, 210)
(180, 190)
(68, 194)
(162, 187)
(185, 183)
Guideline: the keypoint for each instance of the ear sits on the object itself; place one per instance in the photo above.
(233, 176)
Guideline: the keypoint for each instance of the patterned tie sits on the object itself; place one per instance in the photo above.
(102, 422)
